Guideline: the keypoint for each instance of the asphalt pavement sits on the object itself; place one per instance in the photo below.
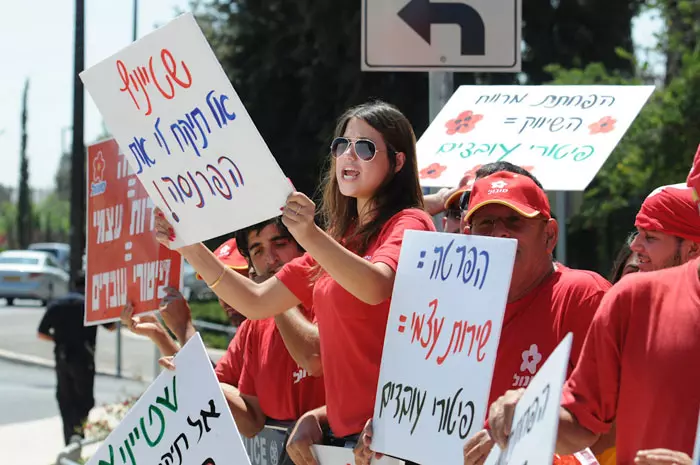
(28, 392)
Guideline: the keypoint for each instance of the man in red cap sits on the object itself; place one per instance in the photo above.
(668, 228)
(635, 370)
(546, 300)
(229, 254)
(453, 202)
(456, 206)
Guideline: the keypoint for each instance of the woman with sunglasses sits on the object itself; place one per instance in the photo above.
(371, 196)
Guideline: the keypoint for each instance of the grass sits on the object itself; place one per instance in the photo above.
(211, 312)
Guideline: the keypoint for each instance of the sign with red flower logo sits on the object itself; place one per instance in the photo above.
(561, 134)
(125, 262)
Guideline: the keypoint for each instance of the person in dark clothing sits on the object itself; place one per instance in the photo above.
(75, 357)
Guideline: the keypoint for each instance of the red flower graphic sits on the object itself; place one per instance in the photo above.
(98, 165)
(529, 169)
(463, 123)
(606, 124)
(432, 171)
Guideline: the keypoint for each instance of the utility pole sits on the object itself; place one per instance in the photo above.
(134, 33)
(78, 179)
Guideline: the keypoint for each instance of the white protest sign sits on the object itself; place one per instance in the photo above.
(536, 418)
(182, 418)
(328, 455)
(562, 134)
(186, 133)
(440, 345)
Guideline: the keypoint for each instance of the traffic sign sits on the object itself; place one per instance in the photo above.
(441, 35)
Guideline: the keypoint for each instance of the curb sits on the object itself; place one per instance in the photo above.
(32, 360)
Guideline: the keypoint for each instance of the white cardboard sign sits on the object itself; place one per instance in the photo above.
(536, 417)
(440, 346)
(182, 418)
(562, 134)
(186, 133)
(328, 455)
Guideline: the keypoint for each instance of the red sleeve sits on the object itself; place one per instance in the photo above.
(591, 393)
(297, 275)
(230, 366)
(391, 236)
(250, 366)
(582, 304)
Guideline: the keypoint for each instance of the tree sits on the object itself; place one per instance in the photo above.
(24, 206)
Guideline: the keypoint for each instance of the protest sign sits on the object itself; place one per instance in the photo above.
(562, 134)
(187, 134)
(182, 418)
(327, 455)
(266, 447)
(536, 418)
(440, 345)
(125, 262)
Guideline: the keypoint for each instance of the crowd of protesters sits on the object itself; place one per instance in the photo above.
(314, 300)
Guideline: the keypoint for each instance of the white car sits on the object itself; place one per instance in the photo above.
(26, 274)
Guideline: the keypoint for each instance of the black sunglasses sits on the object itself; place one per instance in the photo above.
(464, 200)
(364, 148)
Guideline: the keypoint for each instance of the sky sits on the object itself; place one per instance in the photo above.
(40, 47)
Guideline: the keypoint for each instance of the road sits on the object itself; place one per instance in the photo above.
(29, 392)
(18, 325)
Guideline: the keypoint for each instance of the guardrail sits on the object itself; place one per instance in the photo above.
(230, 330)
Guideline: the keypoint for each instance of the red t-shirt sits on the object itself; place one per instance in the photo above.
(534, 325)
(352, 332)
(639, 365)
(285, 390)
(228, 369)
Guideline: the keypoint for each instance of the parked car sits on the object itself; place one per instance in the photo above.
(59, 250)
(195, 289)
(28, 274)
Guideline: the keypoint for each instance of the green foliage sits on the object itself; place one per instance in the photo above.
(24, 207)
(657, 150)
(213, 313)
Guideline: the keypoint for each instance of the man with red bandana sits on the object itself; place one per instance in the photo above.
(637, 368)
(668, 228)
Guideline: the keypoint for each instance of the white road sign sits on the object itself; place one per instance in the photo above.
(441, 35)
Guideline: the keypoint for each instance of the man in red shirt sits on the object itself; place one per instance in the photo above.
(272, 367)
(635, 370)
(667, 226)
(546, 300)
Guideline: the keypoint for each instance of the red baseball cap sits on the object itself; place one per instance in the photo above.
(465, 185)
(230, 256)
(512, 190)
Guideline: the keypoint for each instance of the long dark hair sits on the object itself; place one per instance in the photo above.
(621, 260)
(399, 190)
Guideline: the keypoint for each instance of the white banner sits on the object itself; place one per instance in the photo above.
(440, 346)
(536, 418)
(562, 134)
(186, 133)
(182, 418)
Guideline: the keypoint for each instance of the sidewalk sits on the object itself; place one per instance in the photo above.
(39, 442)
